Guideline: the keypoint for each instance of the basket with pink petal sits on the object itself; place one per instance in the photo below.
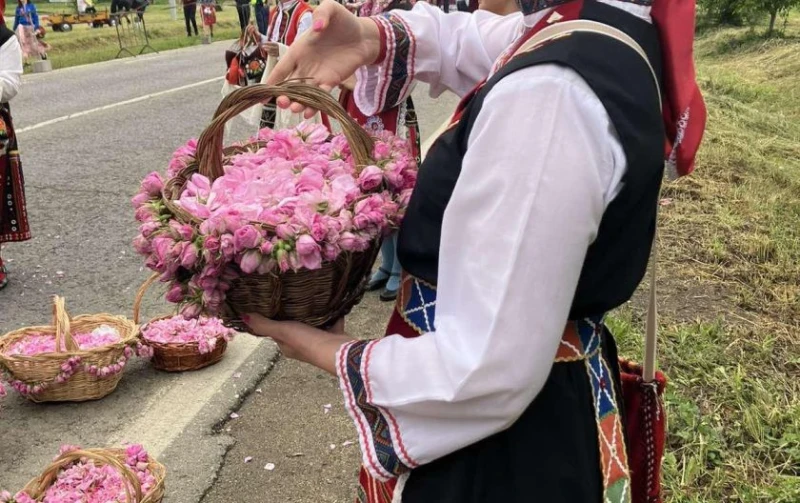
(126, 475)
(74, 359)
(286, 224)
(180, 344)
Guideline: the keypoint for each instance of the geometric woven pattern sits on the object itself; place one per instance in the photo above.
(581, 341)
(373, 426)
(416, 304)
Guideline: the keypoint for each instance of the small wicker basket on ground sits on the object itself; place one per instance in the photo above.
(37, 487)
(317, 297)
(42, 369)
(179, 356)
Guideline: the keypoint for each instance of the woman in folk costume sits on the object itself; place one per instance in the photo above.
(400, 120)
(533, 216)
(13, 215)
(287, 20)
(26, 25)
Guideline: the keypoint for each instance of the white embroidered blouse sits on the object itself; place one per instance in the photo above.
(543, 163)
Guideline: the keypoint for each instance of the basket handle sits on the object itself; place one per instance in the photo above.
(61, 322)
(137, 302)
(209, 145)
(51, 472)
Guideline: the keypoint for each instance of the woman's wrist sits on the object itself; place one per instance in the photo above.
(371, 37)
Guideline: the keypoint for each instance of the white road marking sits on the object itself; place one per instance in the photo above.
(115, 105)
(183, 400)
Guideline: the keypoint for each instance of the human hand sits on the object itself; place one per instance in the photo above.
(300, 341)
(272, 49)
(332, 50)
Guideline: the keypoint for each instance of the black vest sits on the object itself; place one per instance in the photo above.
(617, 260)
(5, 34)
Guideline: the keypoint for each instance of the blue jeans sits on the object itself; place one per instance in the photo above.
(390, 266)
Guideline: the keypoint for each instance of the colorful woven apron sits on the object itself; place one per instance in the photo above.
(415, 314)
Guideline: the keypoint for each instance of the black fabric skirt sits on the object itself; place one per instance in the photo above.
(550, 454)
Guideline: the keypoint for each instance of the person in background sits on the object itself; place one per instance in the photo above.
(26, 23)
(208, 13)
(400, 120)
(13, 215)
(243, 10)
(287, 20)
(499, 7)
(444, 5)
(190, 16)
(262, 16)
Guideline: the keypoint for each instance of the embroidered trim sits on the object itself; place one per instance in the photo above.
(610, 437)
(375, 434)
(416, 304)
(401, 67)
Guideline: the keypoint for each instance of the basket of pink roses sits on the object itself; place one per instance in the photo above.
(179, 343)
(287, 224)
(74, 359)
(127, 475)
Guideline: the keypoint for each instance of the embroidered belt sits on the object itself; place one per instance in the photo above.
(581, 342)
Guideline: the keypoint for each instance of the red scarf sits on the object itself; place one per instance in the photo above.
(684, 110)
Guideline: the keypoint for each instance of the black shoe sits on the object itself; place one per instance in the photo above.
(388, 295)
(377, 284)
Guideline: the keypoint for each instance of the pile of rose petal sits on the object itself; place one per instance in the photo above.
(35, 344)
(86, 482)
(295, 203)
(203, 331)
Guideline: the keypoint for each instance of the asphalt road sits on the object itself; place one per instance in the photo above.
(87, 136)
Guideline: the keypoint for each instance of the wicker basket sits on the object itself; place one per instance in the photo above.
(176, 357)
(37, 487)
(43, 368)
(316, 297)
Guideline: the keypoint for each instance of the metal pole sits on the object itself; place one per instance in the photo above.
(173, 10)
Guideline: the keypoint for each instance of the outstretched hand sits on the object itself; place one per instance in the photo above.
(302, 342)
(337, 44)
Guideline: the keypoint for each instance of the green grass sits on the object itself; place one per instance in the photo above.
(84, 45)
(730, 282)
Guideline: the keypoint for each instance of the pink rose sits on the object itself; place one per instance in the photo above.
(347, 241)
(208, 282)
(250, 261)
(213, 299)
(142, 245)
(370, 178)
(381, 151)
(190, 311)
(152, 184)
(211, 244)
(266, 248)
(309, 252)
(162, 246)
(227, 247)
(145, 213)
(190, 256)
(309, 179)
(148, 228)
(330, 252)
(196, 208)
(285, 231)
(246, 238)
(181, 231)
(282, 257)
(176, 294)
(140, 198)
